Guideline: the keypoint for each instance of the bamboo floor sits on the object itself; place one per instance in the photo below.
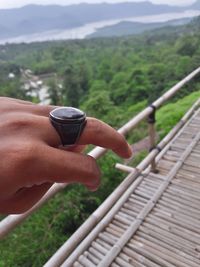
(158, 221)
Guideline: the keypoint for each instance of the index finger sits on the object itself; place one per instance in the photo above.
(95, 132)
(101, 134)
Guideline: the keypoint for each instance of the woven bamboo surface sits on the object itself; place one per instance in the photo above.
(159, 222)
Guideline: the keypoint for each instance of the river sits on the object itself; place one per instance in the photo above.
(82, 32)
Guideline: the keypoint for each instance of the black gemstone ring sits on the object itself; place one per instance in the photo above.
(69, 123)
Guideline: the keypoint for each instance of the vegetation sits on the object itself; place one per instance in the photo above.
(112, 79)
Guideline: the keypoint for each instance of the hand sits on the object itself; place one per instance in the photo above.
(31, 160)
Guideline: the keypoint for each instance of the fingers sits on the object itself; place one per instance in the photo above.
(40, 128)
(101, 134)
(66, 167)
(24, 199)
(59, 166)
(95, 132)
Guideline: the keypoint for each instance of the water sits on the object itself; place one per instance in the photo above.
(82, 32)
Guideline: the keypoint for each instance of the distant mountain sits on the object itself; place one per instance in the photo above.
(196, 5)
(34, 19)
(131, 28)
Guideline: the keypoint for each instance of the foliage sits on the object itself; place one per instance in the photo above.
(129, 69)
(111, 79)
(170, 114)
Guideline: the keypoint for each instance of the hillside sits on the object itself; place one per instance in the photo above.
(35, 18)
(112, 79)
(129, 28)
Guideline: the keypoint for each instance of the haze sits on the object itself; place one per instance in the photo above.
(11, 4)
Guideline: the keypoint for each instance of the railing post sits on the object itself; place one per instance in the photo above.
(152, 135)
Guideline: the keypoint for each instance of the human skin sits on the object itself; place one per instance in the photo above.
(32, 159)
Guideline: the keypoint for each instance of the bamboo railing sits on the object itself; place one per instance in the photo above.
(11, 221)
(94, 222)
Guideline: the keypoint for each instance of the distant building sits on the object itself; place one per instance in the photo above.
(11, 76)
(33, 85)
(39, 83)
(28, 72)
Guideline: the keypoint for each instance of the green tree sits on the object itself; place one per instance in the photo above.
(55, 92)
(71, 87)
(118, 88)
(98, 102)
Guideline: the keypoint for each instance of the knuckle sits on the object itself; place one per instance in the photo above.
(19, 123)
(96, 126)
(29, 149)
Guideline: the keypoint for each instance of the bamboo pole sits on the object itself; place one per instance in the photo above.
(161, 234)
(122, 262)
(179, 219)
(179, 208)
(152, 141)
(124, 168)
(92, 258)
(151, 255)
(115, 265)
(178, 231)
(182, 201)
(140, 258)
(130, 260)
(162, 253)
(59, 257)
(167, 244)
(152, 135)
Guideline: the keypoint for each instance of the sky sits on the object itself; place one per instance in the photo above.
(18, 3)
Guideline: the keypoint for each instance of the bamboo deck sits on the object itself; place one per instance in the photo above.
(157, 221)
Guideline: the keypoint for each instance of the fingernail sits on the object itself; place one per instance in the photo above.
(130, 151)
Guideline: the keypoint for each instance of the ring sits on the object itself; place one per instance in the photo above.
(69, 123)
